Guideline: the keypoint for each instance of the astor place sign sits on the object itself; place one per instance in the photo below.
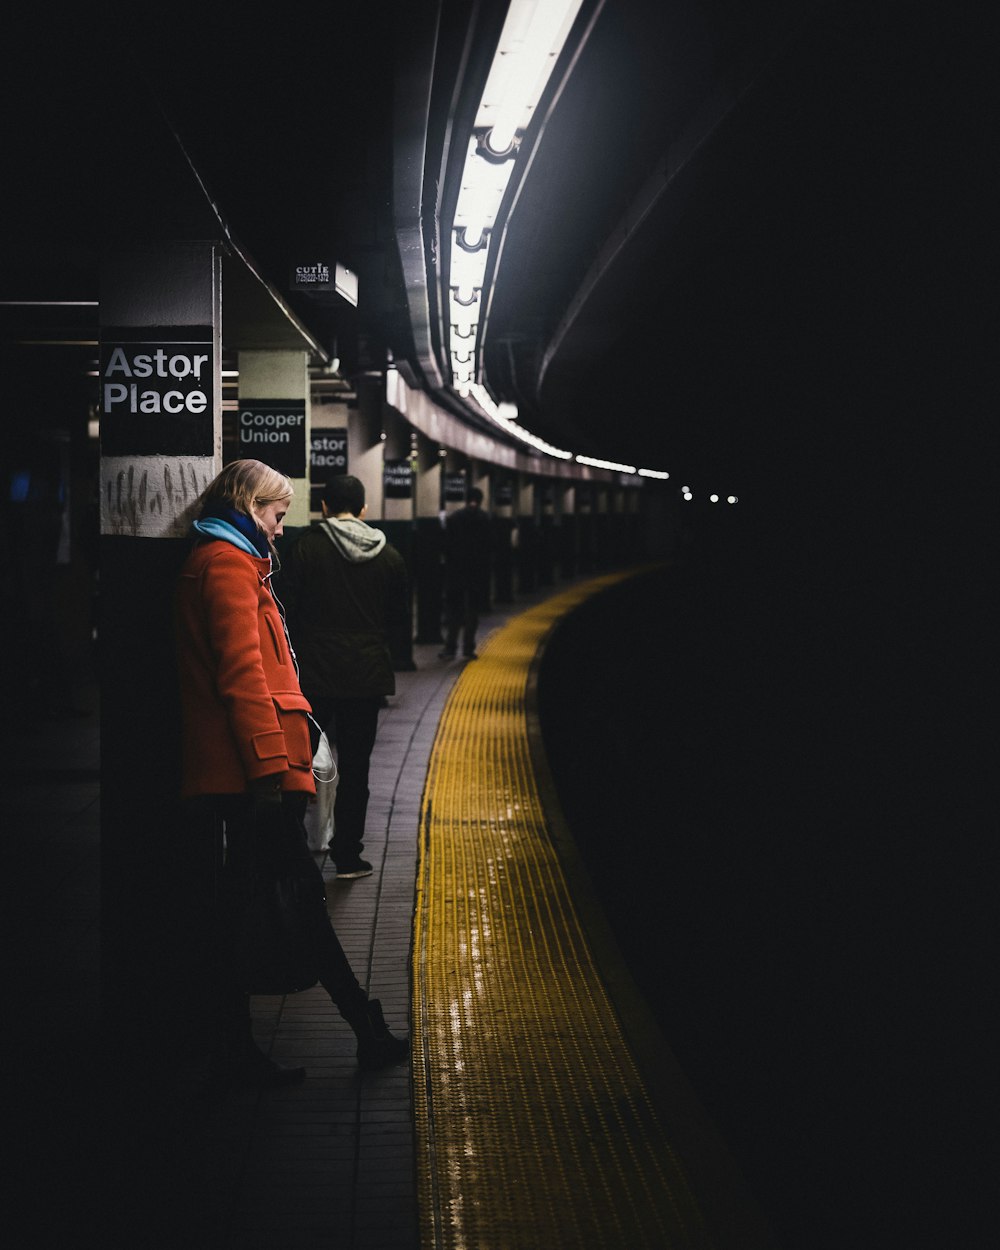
(156, 396)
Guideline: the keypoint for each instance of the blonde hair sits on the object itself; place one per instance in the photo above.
(245, 484)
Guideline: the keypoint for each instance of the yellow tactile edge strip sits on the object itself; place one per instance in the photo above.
(533, 1125)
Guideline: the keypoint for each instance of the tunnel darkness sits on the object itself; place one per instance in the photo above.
(748, 805)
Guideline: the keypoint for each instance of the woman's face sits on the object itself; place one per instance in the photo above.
(271, 518)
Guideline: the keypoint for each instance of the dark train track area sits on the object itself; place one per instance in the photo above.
(745, 818)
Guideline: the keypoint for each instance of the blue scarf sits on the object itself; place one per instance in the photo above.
(218, 520)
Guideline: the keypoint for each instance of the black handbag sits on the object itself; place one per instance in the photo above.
(275, 907)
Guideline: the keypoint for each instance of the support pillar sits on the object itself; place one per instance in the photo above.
(155, 462)
(504, 536)
(364, 442)
(527, 535)
(429, 542)
(398, 508)
(568, 536)
(585, 527)
(546, 509)
(275, 420)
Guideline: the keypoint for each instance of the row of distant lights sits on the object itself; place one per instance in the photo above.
(505, 416)
(686, 492)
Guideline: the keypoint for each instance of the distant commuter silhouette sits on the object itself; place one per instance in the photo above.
(467, 551)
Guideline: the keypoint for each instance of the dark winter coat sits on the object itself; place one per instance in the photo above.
(468, 549)
(344, 589)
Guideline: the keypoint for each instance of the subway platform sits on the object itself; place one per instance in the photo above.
(541, 1106)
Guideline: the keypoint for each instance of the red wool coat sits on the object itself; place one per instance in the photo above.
(243, 713)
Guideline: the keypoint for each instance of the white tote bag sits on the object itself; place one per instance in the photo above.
(325, 771)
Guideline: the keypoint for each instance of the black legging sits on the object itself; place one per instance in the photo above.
(243, 843)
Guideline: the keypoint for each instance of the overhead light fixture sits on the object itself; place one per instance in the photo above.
(533, 36)
(530, 42)
(501, 415)
(468, 268)
(595, 463)
(657, 473)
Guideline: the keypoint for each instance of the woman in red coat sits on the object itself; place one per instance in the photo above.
(246, 753)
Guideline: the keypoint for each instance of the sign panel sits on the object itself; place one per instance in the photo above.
(320, 277)
(454, 487)
(316, 276)
(157, 392)
(397, 479)
(503, 493)
(274, 430)
(327, 458)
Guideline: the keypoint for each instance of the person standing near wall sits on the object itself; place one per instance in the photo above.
(246, 757)
(467, 552)
(345, 591)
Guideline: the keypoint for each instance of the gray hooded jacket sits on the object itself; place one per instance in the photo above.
(344, 588)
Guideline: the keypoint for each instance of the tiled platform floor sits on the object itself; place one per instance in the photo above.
(100, 1160)
(327, 1163)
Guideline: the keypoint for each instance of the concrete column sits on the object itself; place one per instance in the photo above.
(273, 392)
(429, 542)
(479, 475)
(455, 465)
(632, 527)
(430, 461)
(547, 535)
(399, 444)
(568, 537)
(601, 524)
(398, 522)
(585, 522)
(504, 535)
(161, 444)
(527, 534)
(364, 443)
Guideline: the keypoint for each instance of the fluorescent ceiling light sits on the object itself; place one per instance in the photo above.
(530, 42)
(657, 473)
(606, 464)
(533, 36)
(481, 192)
(468, 269)
(500, 414)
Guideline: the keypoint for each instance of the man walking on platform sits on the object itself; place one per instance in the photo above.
(467, 551)
(344, 589)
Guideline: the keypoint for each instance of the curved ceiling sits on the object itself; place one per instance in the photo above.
(717, 213)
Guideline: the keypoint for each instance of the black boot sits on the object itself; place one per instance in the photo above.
(377, 1048)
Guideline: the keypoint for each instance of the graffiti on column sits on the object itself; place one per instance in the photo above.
(152, 496)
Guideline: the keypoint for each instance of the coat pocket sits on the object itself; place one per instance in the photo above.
(292, 706)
